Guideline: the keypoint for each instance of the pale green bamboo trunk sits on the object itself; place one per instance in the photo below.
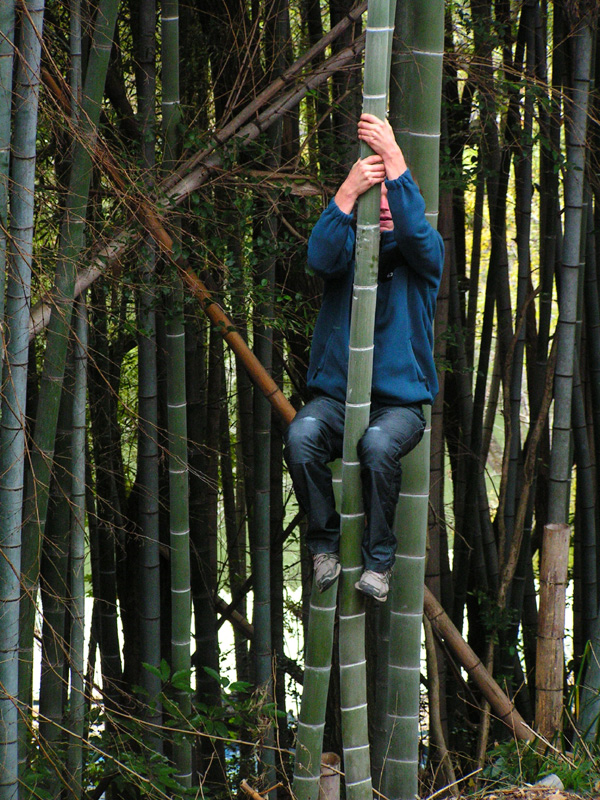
(70, 246)
(77, 554)
(415, 102)
(54, 594)
(322, 609)
(148, 451)
(14, 378)
(179, 531)
(576, 124)
(353, 679)
(317, 669)
(7, 27)
(77, 702)
(177, 404)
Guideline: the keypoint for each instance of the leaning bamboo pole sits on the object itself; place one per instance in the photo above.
(150, 219)
(448, 633)
(416, 74)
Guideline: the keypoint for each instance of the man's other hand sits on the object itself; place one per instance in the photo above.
(378, 134)
(366, 172)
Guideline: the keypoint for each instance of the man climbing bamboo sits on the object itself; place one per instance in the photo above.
(404, 378)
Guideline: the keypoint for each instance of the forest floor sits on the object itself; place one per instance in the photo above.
(529, 793)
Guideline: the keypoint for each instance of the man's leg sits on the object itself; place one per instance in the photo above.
(313, 439)
(393, 431)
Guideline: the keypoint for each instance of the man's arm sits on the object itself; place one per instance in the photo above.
(330, 249)
(419, 243)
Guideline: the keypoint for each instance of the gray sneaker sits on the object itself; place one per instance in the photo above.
(375, 584)
(326, 570)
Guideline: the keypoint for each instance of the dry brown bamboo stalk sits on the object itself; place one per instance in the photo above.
(152, 222)
(549, 660)
(226, 328)
(500, 703)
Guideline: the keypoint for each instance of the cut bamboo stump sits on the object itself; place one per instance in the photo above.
(329, 783)
(549, 661)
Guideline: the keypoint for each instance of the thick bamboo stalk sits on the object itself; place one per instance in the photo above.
(77, 552)
(15, 352)
(204, 400)
(586, 548)
(352, 650)
(317, 668)
(104, 507)
(358, 403)
(70, 246)
(576, 125)
(524, 195)
(549, 671)
(179, 528)
(417, 73)
(261, 510)
(147, 478)
(592, 320)
(179, 511)
(7, 26)
(54, 583)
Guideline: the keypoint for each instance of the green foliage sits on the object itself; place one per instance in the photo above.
(119, 754)
(515, 763)
(119, 751)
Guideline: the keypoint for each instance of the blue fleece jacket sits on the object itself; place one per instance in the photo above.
(403, 368)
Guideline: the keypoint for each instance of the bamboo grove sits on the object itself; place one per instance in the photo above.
(161, 168)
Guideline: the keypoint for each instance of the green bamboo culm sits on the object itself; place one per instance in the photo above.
(54, 590)
(179, 514)
(317, 669)
(77, 702)
(415, 102)
(322, 607)
(147, 478)
(353, 678)
(15, 345)
(566, 330)
(7, 26)
(70, 245)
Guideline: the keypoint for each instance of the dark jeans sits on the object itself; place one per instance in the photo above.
(315, 437)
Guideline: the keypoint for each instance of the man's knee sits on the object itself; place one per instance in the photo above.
(377, 450)
(305, 440)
